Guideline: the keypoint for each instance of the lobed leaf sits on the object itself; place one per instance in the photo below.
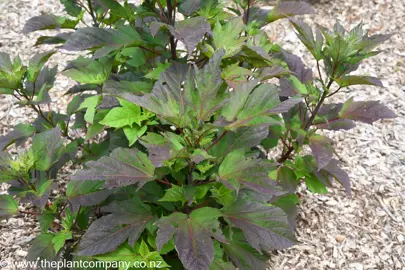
(193, 235)
(48, 21)
(365, 111)
(8, 206)
(265, 227)
(122, 168)
(127, 221)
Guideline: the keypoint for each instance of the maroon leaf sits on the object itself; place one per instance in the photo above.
(265, 227)
(193, 235)
(296, 65)
(339, 174)
(365, 111)
(126, 221)
(285, 9)
(321, 149)
(122, 168)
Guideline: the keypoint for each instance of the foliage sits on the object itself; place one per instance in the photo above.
(174, 167)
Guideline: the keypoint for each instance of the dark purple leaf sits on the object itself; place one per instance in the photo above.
(287, 179)
(339, 174)
(188, 7)
(191, 31)
(275, 71)
(122, 168)
(265, 227)
(285, 9)
(370, 43)
(365, 111)
(192, 236)
(90, 37)
(285, 106)
(287, 88)
(20, 133)
(257, 56)
(246, 137)
(126, 221)
(86, 193)
(321, 149)
(296, 65)
(48, 21)
(42, 248)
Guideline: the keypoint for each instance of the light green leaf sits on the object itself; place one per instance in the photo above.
(47, 147)
(155, 74)
(8, 206)
(174, 194)
(90, 71)
(126, 115)
(134, 133)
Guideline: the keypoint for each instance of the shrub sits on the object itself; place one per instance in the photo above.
(174, 137)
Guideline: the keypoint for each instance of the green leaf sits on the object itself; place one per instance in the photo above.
(227, 36)
(219, 263)
(8, 206)
(126, 115)
(36, 63)
(42, 248)
(155, 74)
(356, 80)
(59, 239)
(174, 194)
(11, 73)
(242, 254)
(137, 55)
(122, 168)
(234, 74)
(118, 87)
(314, 185)
(223, 195)
(47, 148)
(107, 233)
(237, 170)
(90, 104)
(144, 249)
(287, 178)
(265, 227)
(71, 7)
(134, 133)
(90, 71)
(305, 34)
(192, 235)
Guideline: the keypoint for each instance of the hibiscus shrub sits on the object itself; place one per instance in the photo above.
(176, 105)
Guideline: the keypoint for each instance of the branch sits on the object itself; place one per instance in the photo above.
(247, 12)
(217, 140)
(167, 183)
(93, 16)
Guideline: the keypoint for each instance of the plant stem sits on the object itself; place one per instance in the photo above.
(247, 13)
(30, 213)
(217, 140)
(167, 183)
(171, 19)
(93, 16)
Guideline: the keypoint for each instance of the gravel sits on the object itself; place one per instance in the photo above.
(366, 231)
